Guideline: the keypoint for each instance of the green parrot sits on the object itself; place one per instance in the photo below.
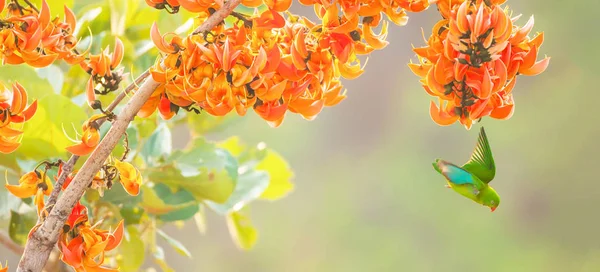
(472, 179)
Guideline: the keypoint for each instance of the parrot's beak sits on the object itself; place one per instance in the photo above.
(493, 208)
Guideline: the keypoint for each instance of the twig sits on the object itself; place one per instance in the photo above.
(43, 240)
(31, 5)
(10, 244)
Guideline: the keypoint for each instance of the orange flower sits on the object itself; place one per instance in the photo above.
(129, 176)
(79, 215)
(89, 139)
(29, 185)
(472, 59)
(102, 64)
(86, 250)
(13, 110)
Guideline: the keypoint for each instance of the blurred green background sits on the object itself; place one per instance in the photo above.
(367, 199)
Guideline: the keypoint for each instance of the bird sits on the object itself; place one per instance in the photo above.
(473, 178)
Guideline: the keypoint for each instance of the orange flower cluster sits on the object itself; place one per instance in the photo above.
(31, 37)
(13, 110)
(83, 246)
(103, 77)
(5, 269)
(472, 59)
(265, 62)
(367, 10)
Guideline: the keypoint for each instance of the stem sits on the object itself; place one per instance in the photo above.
(43, 240)
(31, 5)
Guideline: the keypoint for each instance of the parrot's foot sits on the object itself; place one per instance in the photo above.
(448, 186)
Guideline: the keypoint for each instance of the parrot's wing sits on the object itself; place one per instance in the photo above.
(481, 163)
(456, 175)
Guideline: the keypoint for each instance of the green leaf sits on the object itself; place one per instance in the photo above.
(157, 146)
(36, 87)
(207, 172)
(280, 175)
(214, 185)
(246, 156)
(132, 250)
(203, 154)
(250, 186)
(178, 246)
(20, 225)
(154, 204)
(181, 197)
(131, 213)
(44, 135)
(118, 195)
(233, 145)
(241, 230)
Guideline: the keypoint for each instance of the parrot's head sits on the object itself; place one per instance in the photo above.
(491, 198)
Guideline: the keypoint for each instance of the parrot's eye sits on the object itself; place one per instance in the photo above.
(492, 202)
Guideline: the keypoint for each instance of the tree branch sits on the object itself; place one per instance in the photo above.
(41, 242)
(10, 244)
(68, 167)
(217, 17)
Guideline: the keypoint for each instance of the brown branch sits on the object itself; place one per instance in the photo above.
(217, 17)
(10, 244)
(43, 240)
(67, 168)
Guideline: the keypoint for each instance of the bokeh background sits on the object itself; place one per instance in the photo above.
(367, 199)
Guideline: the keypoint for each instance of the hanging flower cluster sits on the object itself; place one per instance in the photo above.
(83, 246)
(472, 60)
(268, 62)
(103, 76)
(13, 111)
(30, 36)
